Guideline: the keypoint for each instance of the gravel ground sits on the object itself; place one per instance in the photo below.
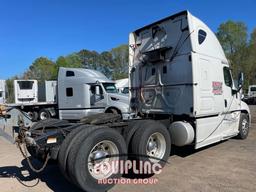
(226, 166)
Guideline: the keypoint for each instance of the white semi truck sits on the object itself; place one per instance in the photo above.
(2, 91)
(182, 90)
(77, 93)
(251, 96)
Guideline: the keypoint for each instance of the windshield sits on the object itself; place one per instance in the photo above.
(110, 87)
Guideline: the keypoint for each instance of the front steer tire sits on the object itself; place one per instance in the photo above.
(243, 126)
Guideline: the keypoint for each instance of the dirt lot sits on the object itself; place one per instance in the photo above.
(226, 166)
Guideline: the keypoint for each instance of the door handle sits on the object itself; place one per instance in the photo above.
(226, 102)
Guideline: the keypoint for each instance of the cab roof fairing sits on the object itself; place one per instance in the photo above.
(211, 47)
(172, 17)
(133, 36)
(86, 75)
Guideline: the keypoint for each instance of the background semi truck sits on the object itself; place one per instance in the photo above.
(76, 94)
(181, 89)
(251, 96)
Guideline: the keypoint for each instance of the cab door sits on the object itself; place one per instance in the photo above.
(227, 89)
(97, 99)
(231, 114)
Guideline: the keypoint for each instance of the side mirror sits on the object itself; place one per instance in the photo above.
(240, 80)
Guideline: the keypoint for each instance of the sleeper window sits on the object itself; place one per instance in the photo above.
(70, 73)
(69, 92)
(201, 36)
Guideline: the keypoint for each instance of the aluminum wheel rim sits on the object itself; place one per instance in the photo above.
(156, 147)
(43, 116)
(100, 167)
(30, 114)
(245, 126)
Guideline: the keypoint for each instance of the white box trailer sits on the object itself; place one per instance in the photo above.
(2, 91)
(51, 91)
(26, 97)
(25, 91)
(77, 93)
(182, 91)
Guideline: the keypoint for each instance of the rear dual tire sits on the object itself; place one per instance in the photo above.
(44, 114)
(66, 146)
(86, 144)
(151, 143)
(33, 115)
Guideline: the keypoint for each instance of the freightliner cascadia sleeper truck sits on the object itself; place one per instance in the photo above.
(181, 90)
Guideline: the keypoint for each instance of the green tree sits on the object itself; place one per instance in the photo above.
(89, 59)
(71, 60)
(120, 56)
(114, 63)
(10, 89)
(253, 38)
(233, 38)
(251, 59)
(106, 62)
(62, 62)
(41, 69)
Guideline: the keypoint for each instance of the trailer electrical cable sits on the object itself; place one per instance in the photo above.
(22, 183)
(19, 180)
(20, 141)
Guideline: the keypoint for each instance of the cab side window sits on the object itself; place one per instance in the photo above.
(70, 73)
(96, 94)
(227, 77)
(69, 91)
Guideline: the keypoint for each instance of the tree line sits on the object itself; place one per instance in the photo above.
(239, 47)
